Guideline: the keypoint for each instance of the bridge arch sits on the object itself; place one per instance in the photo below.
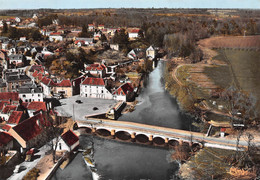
(142, 138)
(123, 135)
(103, 132)
(196, 146)
(173, 142)
(159, 140)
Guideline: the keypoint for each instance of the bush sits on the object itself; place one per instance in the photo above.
(32, 174)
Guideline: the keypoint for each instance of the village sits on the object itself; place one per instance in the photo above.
(30, 92)
(161, 80)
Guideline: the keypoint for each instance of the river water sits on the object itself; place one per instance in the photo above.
(128, 161)
(156, 106)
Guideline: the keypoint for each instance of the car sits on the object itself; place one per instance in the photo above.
(19, 168)
(95, 108)
(78, 101)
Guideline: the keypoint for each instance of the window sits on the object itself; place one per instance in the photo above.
(102, 91)
(39, 95)
(39, 100)
(86, 95)
(24, 95)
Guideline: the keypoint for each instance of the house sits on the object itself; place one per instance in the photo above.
(6, 140)
(45, 52)
(64, 87)
(150, 52)
(133, 34)
(16, 80)
(29, 92)
(48, 86)
(35, 69)
(94, 88)
(84, 41)
(17, 59)
(55, 36)
(76, 85)
(11, 97)
(136, 53)
(97, 35)
(3, 86)
(96, 70)
(3, 39)
(6, 110)
(15, 118)
(5, 45)
(33, 107)
(101, 26)
(114, 47)
(125, 92)
(91, 27)
(69, 141)
(30, 132)
(37, 76)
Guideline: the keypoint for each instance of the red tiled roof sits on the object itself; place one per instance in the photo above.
(124, 89)
(64, 83)
(6, 127)
(37, 106)
(35, 73)
(47, 81)
(101, 25)
(5, 138)
(95, 67)
(40, 76)
(9, 95)
(93, 81)
(36, 68)
(70, 138)
(8, 108)
(31, 127)
(77, 41)
(15, 117)
(134, 31)
(55, 33)
(25, 104)
(2, 104)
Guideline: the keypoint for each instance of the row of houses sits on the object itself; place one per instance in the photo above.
(25, 125)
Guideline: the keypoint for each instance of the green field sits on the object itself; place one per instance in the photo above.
(243, 71)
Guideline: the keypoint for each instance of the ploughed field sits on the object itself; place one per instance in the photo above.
(243, 71)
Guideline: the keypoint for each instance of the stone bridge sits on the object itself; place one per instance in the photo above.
(143, 133)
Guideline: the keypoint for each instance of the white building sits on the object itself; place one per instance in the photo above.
(150, 52)
(55, 37)
(94, 88)
(68, 141)
(96, 69)
(47, 86)
(30, 93)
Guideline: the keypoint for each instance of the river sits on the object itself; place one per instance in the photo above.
(128, 161)
(156, 106)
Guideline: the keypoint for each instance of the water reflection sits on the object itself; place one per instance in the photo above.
(156, 106)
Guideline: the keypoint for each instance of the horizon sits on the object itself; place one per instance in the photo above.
(128, 4)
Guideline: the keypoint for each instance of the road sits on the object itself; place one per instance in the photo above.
(30, 165)
(166, 132)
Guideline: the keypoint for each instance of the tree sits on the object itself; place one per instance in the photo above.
(5, 28)
(36, 35)
(103, 38)
(241, 105)
(85, 32)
